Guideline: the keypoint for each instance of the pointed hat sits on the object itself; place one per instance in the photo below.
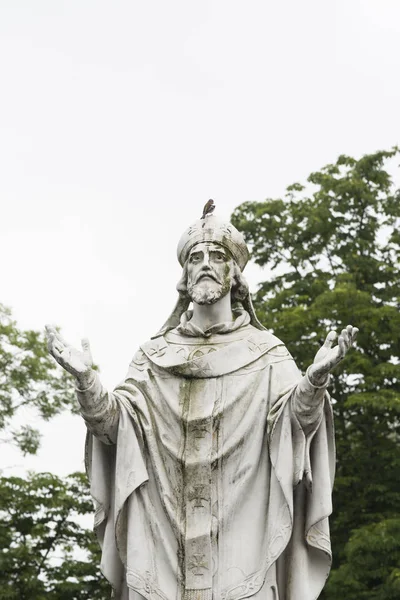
(212, 229)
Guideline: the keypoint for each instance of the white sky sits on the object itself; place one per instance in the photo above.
(118, 120)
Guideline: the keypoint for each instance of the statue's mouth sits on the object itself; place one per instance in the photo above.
(207, 276)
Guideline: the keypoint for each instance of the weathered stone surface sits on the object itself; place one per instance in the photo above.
(212, 464)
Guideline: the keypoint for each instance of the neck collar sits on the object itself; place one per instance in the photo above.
(186, 327)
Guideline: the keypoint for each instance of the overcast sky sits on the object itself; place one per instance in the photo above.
(119, 119)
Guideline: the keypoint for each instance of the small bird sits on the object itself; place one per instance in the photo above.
(208, 208)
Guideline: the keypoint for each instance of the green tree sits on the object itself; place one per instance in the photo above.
(29, 377)
(46, 554)
(332, 251)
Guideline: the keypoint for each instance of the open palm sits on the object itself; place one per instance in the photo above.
(328, 357)
(71, 359)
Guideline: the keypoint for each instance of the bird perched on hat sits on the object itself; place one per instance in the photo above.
(208, 208)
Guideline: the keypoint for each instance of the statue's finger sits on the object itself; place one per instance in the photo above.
(85, 344)
(50, 340)
(345, 335)
(50, 331)
(354, 334)
(50, 343)
(86, 347)
(60, 338)
(342, 346)
(330, 338)
(54, 343)
(55, 351)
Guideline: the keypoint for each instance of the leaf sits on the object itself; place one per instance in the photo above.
(30, 378)
(39, 538)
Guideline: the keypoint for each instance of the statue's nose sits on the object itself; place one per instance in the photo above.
(206, 261)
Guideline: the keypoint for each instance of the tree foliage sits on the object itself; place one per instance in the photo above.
(331, 249)
(46, 553)
(29, 378)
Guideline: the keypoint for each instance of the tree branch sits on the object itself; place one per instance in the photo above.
(51, 543)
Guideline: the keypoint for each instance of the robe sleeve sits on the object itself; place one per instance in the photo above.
(306, 399)
(101, 409)
(115, 470)
(308, 403)
(302, 454)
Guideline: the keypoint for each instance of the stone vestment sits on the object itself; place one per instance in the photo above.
(211, 466)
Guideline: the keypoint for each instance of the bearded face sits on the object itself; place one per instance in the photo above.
(210, 273)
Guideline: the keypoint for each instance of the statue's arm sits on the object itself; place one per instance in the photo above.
(100, 409)
(308, 402)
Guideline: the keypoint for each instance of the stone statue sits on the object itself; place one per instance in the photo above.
(211, 465)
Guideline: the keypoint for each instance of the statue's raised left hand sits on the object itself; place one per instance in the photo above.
(327, 357)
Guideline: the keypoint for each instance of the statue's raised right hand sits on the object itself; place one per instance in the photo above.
(77, 362)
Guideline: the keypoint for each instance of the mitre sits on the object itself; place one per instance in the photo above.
(212, 229)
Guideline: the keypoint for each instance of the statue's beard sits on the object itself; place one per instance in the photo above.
(207, 291)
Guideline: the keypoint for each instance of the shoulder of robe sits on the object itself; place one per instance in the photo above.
(264, 336)
(139, 364)
(280, 352)
(277, 350)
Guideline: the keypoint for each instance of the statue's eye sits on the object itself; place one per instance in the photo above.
(195, 258)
